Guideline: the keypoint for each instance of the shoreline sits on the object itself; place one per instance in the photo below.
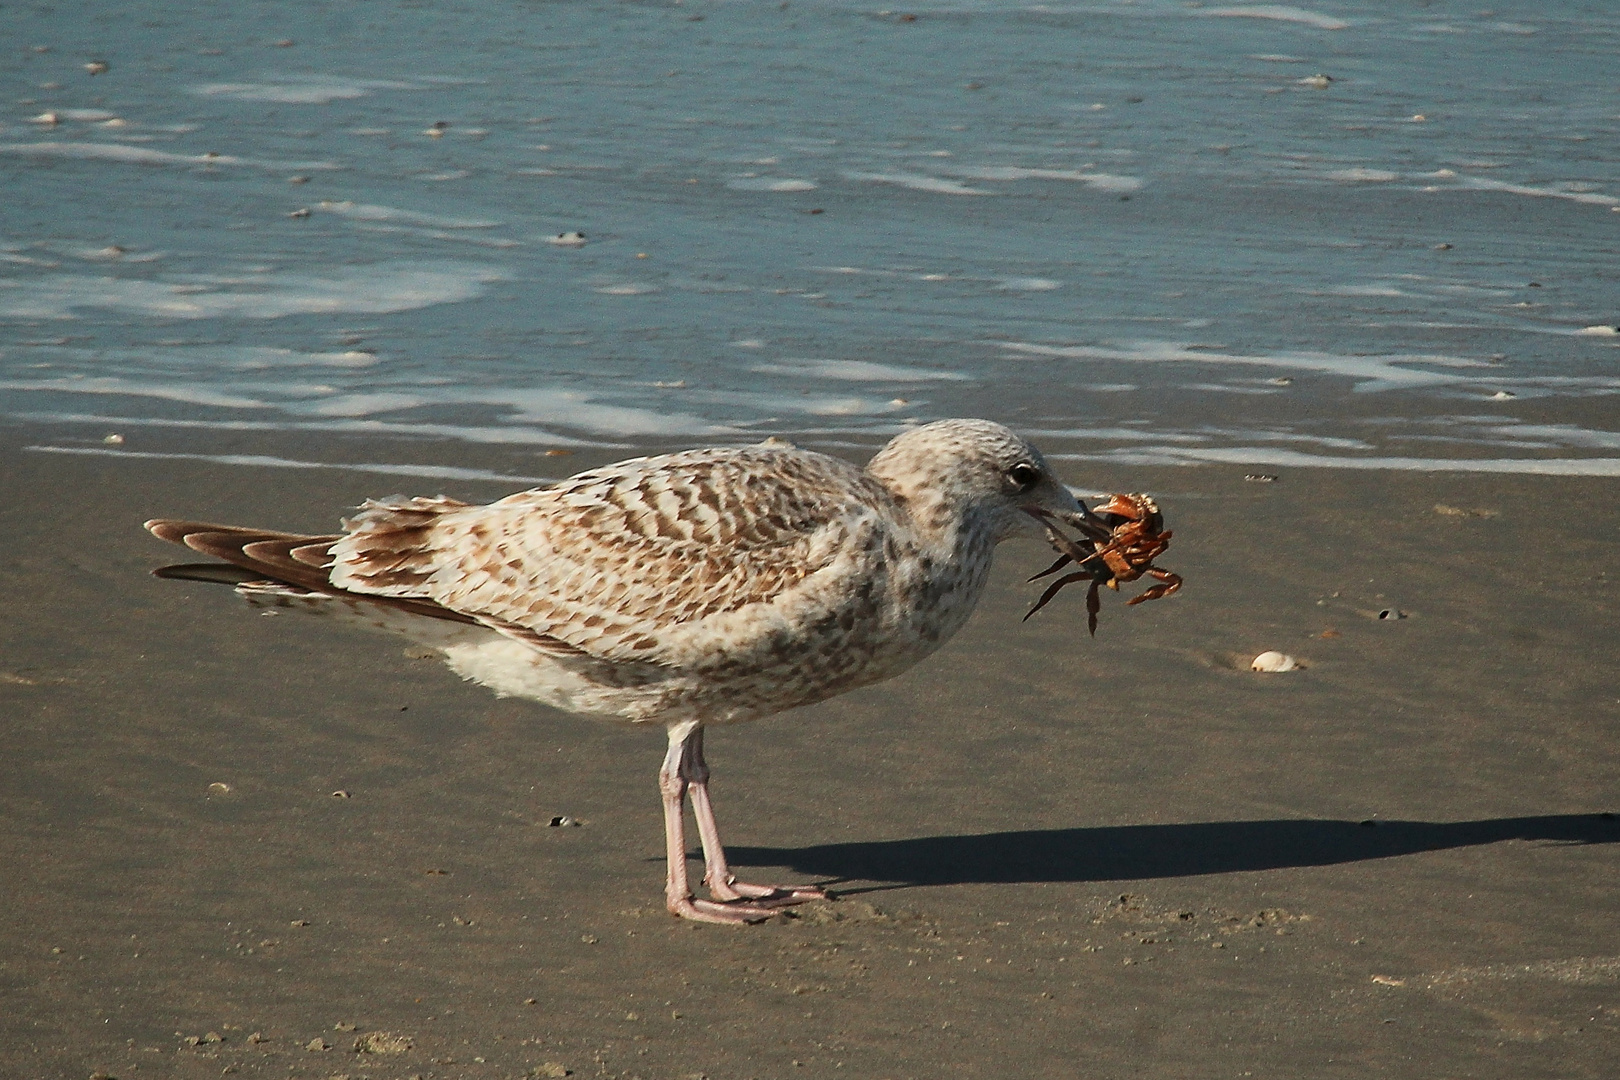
(530, 462)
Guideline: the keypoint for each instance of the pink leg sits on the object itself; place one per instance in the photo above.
(677, 890)
(717, 875)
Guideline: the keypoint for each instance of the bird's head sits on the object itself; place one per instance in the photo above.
(971, 472)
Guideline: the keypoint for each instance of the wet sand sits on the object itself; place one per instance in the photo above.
(1055, 856)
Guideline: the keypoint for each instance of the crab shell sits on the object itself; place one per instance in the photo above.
(1136, 507)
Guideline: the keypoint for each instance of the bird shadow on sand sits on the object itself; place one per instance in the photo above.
(1136, 852)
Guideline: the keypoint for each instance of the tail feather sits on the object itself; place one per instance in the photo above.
(287, 558)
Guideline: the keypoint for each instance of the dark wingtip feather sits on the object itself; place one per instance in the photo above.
(214, 573)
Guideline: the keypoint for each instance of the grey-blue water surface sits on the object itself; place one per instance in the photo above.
(1354, 233)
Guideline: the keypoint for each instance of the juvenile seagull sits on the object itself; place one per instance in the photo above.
(705, 587)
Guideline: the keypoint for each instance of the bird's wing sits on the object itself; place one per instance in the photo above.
(623, 562)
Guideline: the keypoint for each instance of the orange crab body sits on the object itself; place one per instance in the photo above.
(1124, 536)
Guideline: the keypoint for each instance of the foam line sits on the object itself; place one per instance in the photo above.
(858, 371)
(1100, 181)
(1276, 12)
(264, 461)
(1485, 183)
(1264, 455)
(140, 155)
(918, 182)
(1373, 373)
(372, 212)
(379, 288)
(505, 436)
(769, 183)
(304, 90)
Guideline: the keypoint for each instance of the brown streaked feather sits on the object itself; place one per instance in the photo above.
(617, 561)
(289, 558)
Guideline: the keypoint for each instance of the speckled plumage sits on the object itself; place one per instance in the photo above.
(704, 587)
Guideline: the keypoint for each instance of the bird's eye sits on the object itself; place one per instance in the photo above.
(1024, 475)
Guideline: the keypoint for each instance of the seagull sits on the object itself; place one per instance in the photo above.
(693, 589)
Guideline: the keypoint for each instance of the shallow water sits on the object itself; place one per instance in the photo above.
(1145, 231)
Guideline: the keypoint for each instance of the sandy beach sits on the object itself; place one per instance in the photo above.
(1054, 856)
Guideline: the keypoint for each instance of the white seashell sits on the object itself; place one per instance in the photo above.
(568, 239)
(1272, 661)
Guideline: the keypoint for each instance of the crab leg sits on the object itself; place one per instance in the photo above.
(1062, 561)
(1057, 586)
(1172, 582)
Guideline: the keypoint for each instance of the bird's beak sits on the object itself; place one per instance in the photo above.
(1053, 498)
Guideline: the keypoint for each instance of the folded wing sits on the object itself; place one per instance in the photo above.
(648, 562)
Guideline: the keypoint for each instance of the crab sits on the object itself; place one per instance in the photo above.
(1124, 535)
